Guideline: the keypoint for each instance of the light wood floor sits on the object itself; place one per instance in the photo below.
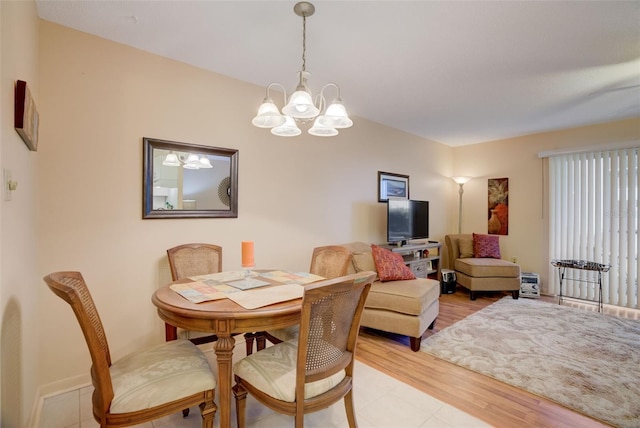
(494, 402)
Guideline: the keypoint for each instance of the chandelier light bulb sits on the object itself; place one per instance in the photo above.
(301, 106)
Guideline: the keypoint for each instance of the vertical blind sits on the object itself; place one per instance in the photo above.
(594, 217)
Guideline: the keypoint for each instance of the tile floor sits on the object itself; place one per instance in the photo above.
(380, 400)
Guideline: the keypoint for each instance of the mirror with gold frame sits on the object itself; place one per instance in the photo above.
(183, 180)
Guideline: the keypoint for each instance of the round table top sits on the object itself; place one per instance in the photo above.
(166, 299)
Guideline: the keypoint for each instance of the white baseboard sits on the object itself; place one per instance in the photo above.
(52, 389)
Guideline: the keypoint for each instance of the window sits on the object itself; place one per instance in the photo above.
(594, 217)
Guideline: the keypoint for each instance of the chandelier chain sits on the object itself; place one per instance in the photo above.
(304, 42)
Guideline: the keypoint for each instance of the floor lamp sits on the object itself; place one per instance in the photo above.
(461, 181)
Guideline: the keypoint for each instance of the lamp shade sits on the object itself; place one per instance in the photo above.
(301, 106)
(288, 129)
(320, 130)
(336, 116)
(193, 162)
(171, 160)
(461, 180)
(205, 162)
(268, 115)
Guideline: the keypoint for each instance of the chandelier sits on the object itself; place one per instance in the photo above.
(187, 160)
(301, 107)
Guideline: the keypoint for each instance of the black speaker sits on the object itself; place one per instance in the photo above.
(448, 282)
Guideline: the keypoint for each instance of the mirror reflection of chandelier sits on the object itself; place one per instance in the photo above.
(301, 106)
(187, 160)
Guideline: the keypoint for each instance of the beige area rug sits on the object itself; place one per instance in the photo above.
(584, 360)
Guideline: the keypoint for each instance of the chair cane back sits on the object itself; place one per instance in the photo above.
(331, 261)
(314, 371)
(144, 385)
(191, 260)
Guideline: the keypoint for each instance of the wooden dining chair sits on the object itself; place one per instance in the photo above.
(331, 261)
(144, 385)
(191, 260)
(311, 373)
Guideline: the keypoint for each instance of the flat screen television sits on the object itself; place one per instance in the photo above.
(406, 220)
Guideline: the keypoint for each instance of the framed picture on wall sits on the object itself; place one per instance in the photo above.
(392, 185)
(26, 116)
(498, 202)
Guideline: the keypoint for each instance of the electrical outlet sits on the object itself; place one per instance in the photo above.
(6, 180)
(514, 260)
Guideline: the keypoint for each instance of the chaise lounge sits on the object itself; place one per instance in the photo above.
(404, 307)
(476, 261)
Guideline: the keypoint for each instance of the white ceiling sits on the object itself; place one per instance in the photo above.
(455, 72)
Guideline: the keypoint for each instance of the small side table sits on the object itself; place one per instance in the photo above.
(562, 265)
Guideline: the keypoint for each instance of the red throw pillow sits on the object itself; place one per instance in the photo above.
(390, 265)
(486, 246)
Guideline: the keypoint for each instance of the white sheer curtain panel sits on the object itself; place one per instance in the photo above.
(594, 217)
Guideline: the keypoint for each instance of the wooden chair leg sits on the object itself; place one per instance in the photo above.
(348, 406)
(241, 404)
(515, 294)
(261, 341)
(248, 341)
(208, 410)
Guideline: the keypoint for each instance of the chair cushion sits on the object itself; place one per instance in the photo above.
(487, 268)
(286, 333)
(466, 248)
(389, 265)
(410, 297)
(159, 375)
(273, 371)
(486, 246)
(356, 247)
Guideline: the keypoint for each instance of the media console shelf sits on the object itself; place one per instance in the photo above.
(414, 256)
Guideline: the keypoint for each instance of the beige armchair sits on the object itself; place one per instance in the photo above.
(480, 274)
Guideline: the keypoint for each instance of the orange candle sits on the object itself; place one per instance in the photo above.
(247, 254)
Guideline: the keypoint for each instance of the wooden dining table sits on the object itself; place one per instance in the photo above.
(224, 318)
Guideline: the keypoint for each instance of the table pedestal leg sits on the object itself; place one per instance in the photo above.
(224, 354)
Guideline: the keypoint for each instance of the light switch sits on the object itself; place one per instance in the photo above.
(7, 184)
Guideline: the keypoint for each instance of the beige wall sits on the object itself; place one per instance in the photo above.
(97, 99)
(517, 159)
(19, 276)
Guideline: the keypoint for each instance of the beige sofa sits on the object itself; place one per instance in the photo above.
(480, 274)
(407, 307)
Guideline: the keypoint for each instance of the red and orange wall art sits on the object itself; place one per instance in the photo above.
(498, 214)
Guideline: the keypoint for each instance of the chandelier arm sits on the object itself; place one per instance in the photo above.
(284, 90)
(326, 86)
(320, 102)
